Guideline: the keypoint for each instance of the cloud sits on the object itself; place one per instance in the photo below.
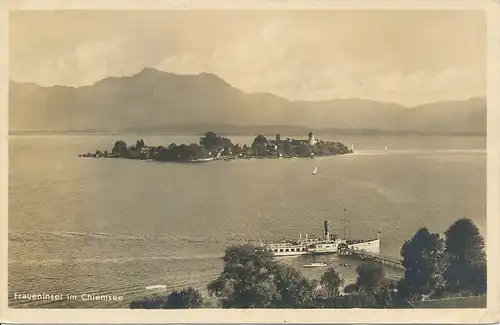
(406, 57)
(288, 62)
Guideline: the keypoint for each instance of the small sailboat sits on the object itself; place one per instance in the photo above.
(385, 148)
(352, 147)
(156, 287)
(315, 171)
(315, 265)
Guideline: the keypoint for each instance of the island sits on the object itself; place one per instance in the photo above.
(214, 147)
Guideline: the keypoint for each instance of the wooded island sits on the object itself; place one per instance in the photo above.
(214, 147)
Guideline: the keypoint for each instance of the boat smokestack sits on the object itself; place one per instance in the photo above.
(326, 233)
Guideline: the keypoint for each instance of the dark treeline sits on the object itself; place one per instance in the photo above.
(213, 146)
(454, 266)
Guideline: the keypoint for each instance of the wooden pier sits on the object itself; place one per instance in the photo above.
(376, 258)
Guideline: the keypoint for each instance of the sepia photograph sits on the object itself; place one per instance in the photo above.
(248, 158)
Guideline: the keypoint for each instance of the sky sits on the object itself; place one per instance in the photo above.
(407, 57)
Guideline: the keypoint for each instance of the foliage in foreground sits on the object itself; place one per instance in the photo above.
(252, 278)
(185, 298)
(437, 268)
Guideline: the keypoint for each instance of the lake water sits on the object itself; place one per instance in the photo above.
(111, 226)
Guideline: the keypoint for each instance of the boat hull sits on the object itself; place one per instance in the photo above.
(323, 248)
(328, 244)
(370, 246)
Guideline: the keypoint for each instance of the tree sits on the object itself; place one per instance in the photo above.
(186, 298)
(212, 141)
(181, 153)
(288, 148)
(208, 141)
(480, 283)
(351, 288)
(302, 150)
(201, 152)
(139, 144)
(371, 276)
(373, 285)
(360, 299)
(247, 279)
(120, 148)
(383, 294)
(422, 255)
(259, 145)
(237, 149)
(294, 289)
(155, 301)
(466, 271)
(331, 282)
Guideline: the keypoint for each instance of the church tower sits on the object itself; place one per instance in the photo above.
(311, 143)
(311, 139)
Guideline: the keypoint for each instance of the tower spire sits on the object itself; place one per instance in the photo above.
(345, 224)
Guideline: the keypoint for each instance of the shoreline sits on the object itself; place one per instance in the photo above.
(206, 160)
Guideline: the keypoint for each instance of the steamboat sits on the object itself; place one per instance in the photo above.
(327, 244)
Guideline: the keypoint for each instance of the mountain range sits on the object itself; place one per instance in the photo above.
(154, 101)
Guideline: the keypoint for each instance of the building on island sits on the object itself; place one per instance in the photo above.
(279, 146)
(310, 141)
(148, 151)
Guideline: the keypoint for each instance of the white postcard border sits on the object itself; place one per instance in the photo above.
(492, 313)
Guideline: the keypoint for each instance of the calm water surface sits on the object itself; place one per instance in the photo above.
(110, 226)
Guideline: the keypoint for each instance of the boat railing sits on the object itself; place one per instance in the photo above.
(285, 241)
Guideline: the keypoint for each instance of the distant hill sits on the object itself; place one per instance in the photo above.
(153, 101)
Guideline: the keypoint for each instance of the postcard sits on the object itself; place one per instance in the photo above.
(250, 162)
